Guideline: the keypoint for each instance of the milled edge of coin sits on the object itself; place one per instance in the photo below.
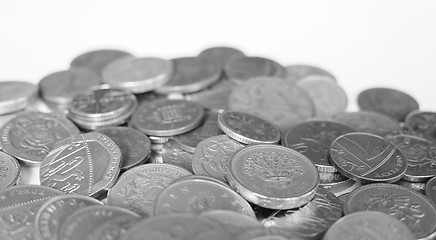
(15, 180)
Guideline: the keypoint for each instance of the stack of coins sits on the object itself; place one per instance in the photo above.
(222, 145)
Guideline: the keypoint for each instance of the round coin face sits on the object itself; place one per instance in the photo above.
(86, 164)
(298, 72)
(408, 206)
(239, 70)
(367, 158)
(166, 117)
(30, 136)
(248, 129)
(422, 124)
(97, 60)
(9, 170)
(430, 189)
(273, 176)
(222, 55)
(16, 96)
(313, 140)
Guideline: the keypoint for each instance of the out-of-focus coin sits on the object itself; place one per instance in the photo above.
(222, 55)
(270, 234)
(430, 189)
(19, 205)
(209, 128)
(416, 186)
(213, 99)
(164, 118)
(422, 124)
(327, 96)
(313, 140)
(248, 129)
(297, 72)
(16, 96)
(52, 214)
(138, 75)
(138, 188)
(336, 182)
(312, 220)
(197, 196)
(273, 176)
(135, 146)
(367, 158)
(368, 225)
(234, 223)
(408, 206)
(87, 164)
(191, 74)
(102, 107)
(211, 157)
(10, 171)
(30, 136)
(242, 69)
(173, 154)
(391, 102)
(96, 222)
(97, 60)
(281, 104)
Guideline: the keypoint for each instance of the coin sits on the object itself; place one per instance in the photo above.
(134, 145)
(52, 214)
(248, 129)
(164, 118)
(430, 189)
(222, 55)
(368, 225)
(313, 140)
(336, 182)
(215, 99)
(408, 206)
(19, 205)
(271, 99)
(86, 164)
(138, 188)
(30, 136)
(211, 157)
(297, 72)
(391, 102)
(16, 96)
(197, 196)
(97, 60)
(173, 154)
(273, 176)
(96, 222)
(10, 171)
(366, 158)
(422, 124)
(234, 223)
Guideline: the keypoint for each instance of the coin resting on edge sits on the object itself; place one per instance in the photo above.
(10, 171)
(97, 60)
(16, 96)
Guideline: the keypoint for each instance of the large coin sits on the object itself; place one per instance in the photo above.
(298, 72)
(422, 124)
(16, 96)
(10, 171)
(242, 69)
(87, 164)
(222, 55)
(97, 60)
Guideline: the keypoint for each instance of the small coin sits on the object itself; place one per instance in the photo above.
(391, 102)
(98, 221)
(422, 124)
(367, 158)
(222, 55)
(368, 225)
(298, 72)
(211, 157)
(313, 140)
(408, 206)
(164, 118)
(16, 96)
(52, 214)
(10, 171)
(97, 60)
(273, 176)
(234, 223)
(87, 164)
(281, 104)
(336, 182)
(248, 129)
(138, 188)
(30, 136)
(415, 186)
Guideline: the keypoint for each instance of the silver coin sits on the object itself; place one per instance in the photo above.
(221, 55)
(16, 96)
(172, 153)
(10, 171)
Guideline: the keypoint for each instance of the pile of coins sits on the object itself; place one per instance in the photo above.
(218, 146)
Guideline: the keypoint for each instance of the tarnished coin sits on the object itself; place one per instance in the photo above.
(415, 186)
(368, 225)
(222, 55)
(422, 124)
(197, 196)
(430, 189)
(30, 136)
(19, 205)
(408, 206)
(97, 222)
(242, 69)
(327, 96)
(135, 146)
(215, 99)
(10, 171)
(87, 164)
(279, 103)
(16, 96)
(164, 118)
(209, 128)
(312, 220)
(211, 157)
(191, 74)
(391, 102)
(138, 75)
(313, 140)
(367, 158)
(138, 188)
(97, 60)
(298, 72)
(273, 176)
(336, 182)
(172, 153)
(248, 129)
(234, 223)
(52, 214)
